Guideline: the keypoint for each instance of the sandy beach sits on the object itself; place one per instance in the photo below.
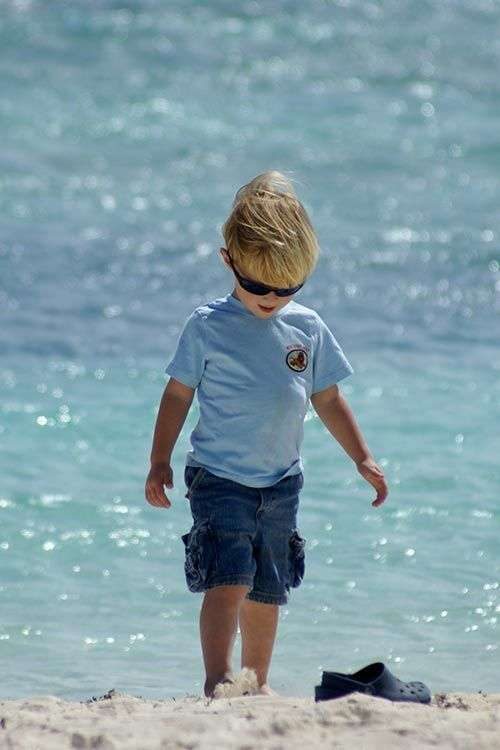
(231, 720)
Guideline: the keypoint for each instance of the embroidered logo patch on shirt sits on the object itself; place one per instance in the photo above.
(297, 359)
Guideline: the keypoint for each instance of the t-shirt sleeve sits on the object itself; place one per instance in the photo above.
(188, 362)
(329, 361)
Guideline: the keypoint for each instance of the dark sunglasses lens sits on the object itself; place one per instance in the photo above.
(253, 288)
(288, 292)
(261, 289)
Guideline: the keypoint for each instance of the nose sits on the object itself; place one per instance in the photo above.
(269, 299)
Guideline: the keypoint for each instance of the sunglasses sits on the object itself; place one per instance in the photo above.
(255, 288)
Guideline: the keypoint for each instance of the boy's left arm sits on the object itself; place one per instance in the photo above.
(335, 413)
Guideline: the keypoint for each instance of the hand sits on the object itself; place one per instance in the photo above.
(159, 475)
(374, 474)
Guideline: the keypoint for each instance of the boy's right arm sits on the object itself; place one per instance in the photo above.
(174, 406)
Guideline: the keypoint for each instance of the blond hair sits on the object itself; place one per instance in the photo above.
(268, 234)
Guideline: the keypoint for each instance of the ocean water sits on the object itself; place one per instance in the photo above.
(127, 128)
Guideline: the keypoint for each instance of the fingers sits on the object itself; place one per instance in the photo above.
(382, 492)
(158, 477)
(377, 479)
(155, 495)
(381, 496)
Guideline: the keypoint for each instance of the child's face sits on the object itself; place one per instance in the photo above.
(255, 303)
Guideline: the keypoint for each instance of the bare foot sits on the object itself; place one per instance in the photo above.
(266, 690)
(217, 690)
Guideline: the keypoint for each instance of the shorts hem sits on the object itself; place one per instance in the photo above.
(230, 581)
(258, 596)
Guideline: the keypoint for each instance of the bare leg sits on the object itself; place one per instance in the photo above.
(258, 624)
(218, 625)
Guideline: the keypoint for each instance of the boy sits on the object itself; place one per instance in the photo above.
(255, 357)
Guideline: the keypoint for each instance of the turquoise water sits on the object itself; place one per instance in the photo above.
(126, 131)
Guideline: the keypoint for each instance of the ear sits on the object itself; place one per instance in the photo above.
(224, 257)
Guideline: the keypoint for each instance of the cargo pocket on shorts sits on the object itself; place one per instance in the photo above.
(200, 555)
(296, 559)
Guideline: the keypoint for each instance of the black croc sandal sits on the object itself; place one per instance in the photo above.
(375, 679)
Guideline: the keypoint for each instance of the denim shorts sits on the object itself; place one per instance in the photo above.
(243, 535)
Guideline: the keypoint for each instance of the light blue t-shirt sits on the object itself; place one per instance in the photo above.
(254, 377)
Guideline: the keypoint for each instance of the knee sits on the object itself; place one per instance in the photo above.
(227, 595)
